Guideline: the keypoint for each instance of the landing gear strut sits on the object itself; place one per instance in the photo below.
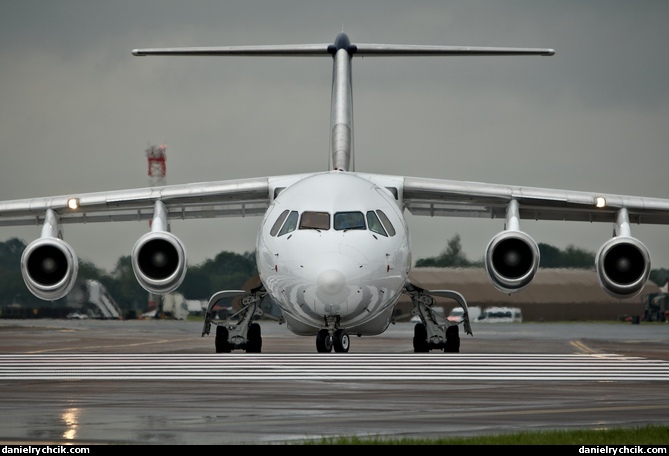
(238, 331)
(435, 331)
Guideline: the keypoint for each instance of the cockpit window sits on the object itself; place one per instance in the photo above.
(349, 221)
(315, 221)
(278, 223)
(375, 224)
(291, 223)
(386, 222)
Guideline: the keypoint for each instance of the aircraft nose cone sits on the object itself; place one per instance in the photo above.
(331, 281)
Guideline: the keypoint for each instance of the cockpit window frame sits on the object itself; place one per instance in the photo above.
(290, 224)
(387, 224)
(349, 220)
(374, 224)
(278, 223)
(314, 220)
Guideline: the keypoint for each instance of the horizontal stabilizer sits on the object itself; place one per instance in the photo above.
(276, 50)
(342, 42)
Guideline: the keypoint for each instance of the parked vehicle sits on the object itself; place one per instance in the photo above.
(457, 314)
(501, 315)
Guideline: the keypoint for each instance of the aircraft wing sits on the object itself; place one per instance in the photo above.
(49, 264)
(420, 196)
(240, 197)
(437, 197)
(622, 263)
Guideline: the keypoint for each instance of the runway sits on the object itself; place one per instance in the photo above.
(159, 383)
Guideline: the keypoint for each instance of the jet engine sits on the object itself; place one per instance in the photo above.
(159, 262)
(159, 257)
(623, 262)
(623, 266)
(49, 265)
(512, 256)
(511, 260)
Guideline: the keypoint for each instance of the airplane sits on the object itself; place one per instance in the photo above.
(333, 248)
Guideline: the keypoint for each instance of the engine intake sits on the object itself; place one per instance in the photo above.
(49, 267)
(623, 266)
(159, 262)
(511, 260)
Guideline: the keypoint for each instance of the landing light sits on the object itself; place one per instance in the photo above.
(600, 201)
(73, 203)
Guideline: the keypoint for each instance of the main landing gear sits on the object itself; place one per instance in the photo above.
(435, 332)
(241, 332)
(238, 331)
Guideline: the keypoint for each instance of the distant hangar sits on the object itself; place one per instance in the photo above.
(553, 295)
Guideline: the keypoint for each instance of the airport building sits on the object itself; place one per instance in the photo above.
(553, 295)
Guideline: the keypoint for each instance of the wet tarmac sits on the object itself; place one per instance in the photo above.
(168, 387)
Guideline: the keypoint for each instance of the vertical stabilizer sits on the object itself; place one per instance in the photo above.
(342, 52)
(341, 117)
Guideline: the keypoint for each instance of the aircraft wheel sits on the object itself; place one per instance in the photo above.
(323, 341)
(254, 342)
(420, 339)
(452, 340)
(222, 344)
(342, 342)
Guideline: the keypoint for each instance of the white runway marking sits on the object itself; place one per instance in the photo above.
(415, 367)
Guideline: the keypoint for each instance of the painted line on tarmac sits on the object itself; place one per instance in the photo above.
(493, 367)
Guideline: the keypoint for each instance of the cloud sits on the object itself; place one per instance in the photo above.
(77, 109)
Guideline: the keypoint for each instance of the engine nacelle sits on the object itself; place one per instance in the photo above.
(49, 267)
(623, 266)
(511, 260)
(159, 262)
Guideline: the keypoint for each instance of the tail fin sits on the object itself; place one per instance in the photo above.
(342, 51)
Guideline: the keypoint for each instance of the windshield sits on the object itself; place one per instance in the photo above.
(315, 221)
(349, 221)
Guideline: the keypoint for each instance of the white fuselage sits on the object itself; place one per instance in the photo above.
(349, 266)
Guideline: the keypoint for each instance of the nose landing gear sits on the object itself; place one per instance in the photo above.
(327, 339)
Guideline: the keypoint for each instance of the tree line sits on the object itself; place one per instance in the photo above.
(228, 271)
(549, 257)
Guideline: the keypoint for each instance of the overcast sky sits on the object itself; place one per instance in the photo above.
(77, 110)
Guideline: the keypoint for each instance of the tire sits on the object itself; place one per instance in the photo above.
(323, 341)
(222, 344)
(341, 342)
(420, 344)
(254, 342)
(452, 340)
